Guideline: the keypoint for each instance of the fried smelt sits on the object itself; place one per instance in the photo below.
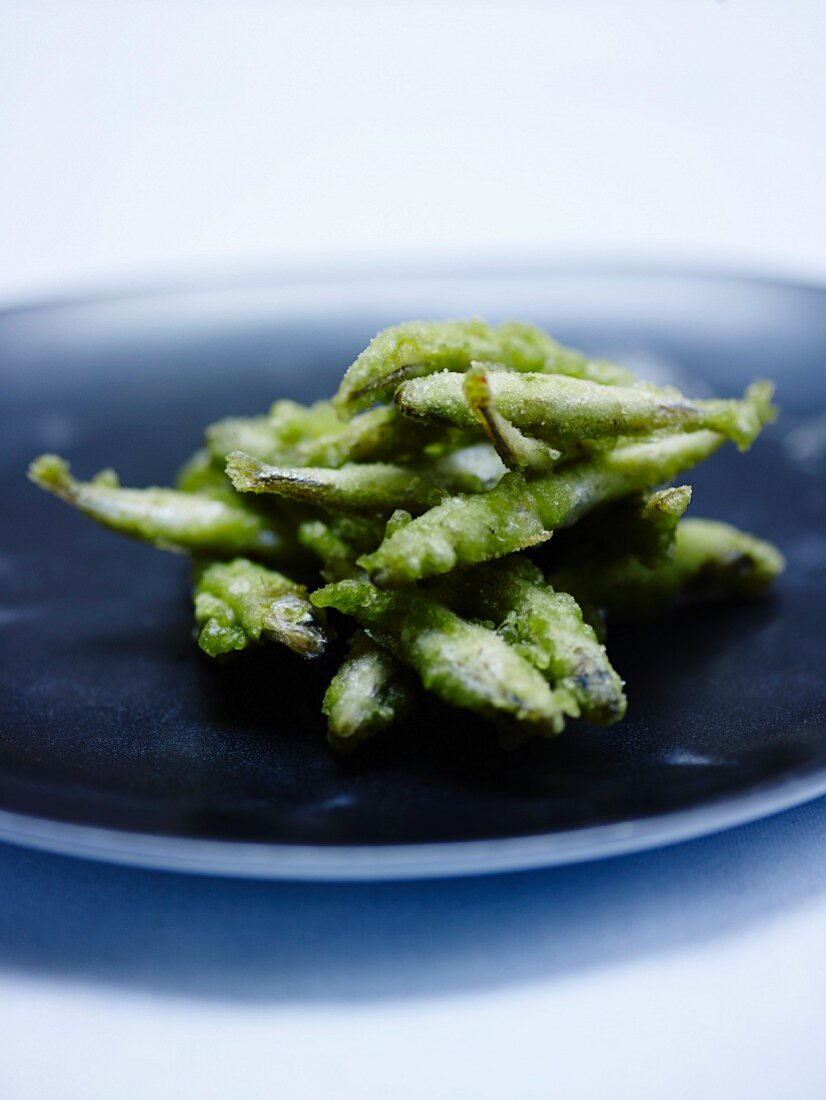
(314, 436)
(464, 663)
(199, 474)
(711, 560)
(516, 450)
(418, 348)
(365, 488)
(371, 692)
(566, 411)
(239, 603)
(547, 628)
(643, 526)
(170, 519)
(468, 529)
(337, 542)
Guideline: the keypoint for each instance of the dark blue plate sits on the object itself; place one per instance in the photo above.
(117, 740)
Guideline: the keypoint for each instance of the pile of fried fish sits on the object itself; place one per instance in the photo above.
(411, 513)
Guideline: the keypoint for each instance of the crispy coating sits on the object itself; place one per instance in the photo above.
(643, 525)
(169, 518)
(314, 436)
(464, 663)
(366, 488)
(465, 530)
(418, 348)
(370, 692)
(337, 541)
(239, 603)
(516, 450)
(450, 447)
(547, 628)
(711, 560)
(564, 411)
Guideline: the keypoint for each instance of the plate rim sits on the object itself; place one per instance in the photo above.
(526, 264)
(399, 862)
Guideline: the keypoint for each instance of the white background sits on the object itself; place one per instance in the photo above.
(139, 141)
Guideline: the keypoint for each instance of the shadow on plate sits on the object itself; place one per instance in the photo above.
(270, 942)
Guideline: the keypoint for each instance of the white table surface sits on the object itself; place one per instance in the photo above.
(693, 971)
(141, 141)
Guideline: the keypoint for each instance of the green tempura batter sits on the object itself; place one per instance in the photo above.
(450, 448)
